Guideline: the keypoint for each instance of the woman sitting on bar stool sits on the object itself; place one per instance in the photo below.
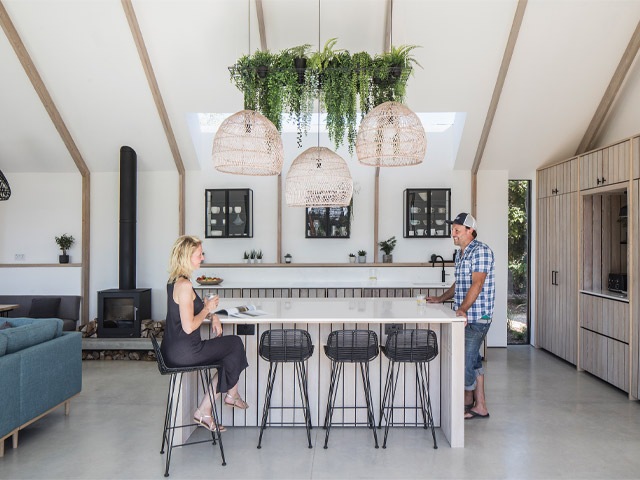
(182, 345)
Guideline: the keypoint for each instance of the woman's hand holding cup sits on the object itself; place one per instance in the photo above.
(212, 302)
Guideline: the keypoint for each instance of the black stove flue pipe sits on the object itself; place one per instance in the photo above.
(128, 212)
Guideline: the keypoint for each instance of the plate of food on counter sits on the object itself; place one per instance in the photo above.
(204, 280)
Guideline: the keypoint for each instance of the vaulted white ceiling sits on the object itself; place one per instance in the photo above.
(565, 56)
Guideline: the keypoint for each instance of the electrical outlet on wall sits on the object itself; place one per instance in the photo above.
(19, 257)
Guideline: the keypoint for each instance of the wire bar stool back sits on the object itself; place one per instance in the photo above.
(417, 346)
(350, 346)
(286, 346)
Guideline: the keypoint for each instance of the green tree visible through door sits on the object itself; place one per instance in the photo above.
(518, 257)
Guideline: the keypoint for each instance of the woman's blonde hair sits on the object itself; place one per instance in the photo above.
(180, 260)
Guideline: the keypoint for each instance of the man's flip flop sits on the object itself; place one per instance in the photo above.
(475, 415)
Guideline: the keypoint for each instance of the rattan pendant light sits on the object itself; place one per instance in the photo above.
(391, 135)
(247, 143)
(319, 177)
(5, 189)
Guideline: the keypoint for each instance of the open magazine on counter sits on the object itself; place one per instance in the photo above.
(241, 311)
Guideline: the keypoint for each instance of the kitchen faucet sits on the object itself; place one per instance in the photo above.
(434, 259)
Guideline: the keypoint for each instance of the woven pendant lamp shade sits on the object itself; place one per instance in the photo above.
(319, 178)
(391, 135)
(5, 189)
(247, 143)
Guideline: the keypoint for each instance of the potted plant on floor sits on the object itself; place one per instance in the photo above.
(65, 242)
(362, 256)
(387, 247)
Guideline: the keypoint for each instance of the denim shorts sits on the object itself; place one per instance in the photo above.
(474, 333)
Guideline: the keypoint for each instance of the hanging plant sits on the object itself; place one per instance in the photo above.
(339, 97)
(391, 71)
(361, 78)
(300, 94)
(273, 83)
(251, 75)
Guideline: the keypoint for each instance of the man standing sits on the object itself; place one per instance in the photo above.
(474, 293)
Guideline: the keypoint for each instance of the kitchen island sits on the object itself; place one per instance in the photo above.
(320, 316)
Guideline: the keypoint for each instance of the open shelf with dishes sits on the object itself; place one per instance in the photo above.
(228, 213)
(426, 212)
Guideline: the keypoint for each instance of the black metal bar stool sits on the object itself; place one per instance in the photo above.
(350, 346)
(173, 399)
(417, 346)
(286, 346)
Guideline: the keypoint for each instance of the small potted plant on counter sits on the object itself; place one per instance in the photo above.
(287, 258)
(65, 242)
(252, 256)
(362, 256)
(387, 247)
(259, 256)
(246, 256)
(352, 258)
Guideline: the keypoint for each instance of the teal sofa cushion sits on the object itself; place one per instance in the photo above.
(28, 332)
(3, 345)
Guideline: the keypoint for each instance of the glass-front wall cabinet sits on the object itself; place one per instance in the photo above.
(426, 212)
(228, 213)
(328, 222)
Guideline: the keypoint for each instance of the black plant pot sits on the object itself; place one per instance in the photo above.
(262, 71)
(63, 258)
(300, 65)
(395, 71)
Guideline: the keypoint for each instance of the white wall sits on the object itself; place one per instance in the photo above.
(493, 228)
(45, 205)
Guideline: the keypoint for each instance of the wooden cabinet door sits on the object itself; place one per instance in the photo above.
(558, 179)
(557, 276)
(615, 163)
(543, 280)
(566, 283)
(606, 166)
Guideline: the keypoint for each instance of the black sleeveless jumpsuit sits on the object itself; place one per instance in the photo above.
(180, 349)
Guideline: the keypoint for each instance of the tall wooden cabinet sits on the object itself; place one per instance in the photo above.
(589, 228)
(557, 260)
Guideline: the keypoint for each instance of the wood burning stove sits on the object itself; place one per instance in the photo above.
(121, 311)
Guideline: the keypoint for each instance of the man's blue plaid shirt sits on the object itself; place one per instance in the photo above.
(477, 257)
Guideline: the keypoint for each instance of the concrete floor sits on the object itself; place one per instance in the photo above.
(547, 421)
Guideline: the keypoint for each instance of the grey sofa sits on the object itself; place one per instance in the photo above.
(40, 370)
(66, 309)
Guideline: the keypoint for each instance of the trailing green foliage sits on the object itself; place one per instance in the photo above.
(343, 83)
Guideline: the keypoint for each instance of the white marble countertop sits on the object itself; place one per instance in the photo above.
(322, 284)
(341, 310)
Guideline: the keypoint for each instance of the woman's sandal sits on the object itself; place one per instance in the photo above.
(236, 402)
(199, 418)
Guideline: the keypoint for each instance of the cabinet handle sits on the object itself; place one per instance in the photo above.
(554, 191)
(553, 276)
(598, 180)
(604, 179)
(557, 284)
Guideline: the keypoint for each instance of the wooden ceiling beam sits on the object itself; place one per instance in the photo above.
(162, 111)
(588, 140)
(261, 28)
(497, 89)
